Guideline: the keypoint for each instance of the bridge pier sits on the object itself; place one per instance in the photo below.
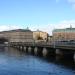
(59, 52)
(38, 51)
(35, 50)
(29, 49)
(44, 52)
(17, 47)
(21, 48)
(24, 48)
(74, 56)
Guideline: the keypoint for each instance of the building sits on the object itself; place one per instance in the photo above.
(40, 35)
(64, 34)
(50, 38)
(18, 35)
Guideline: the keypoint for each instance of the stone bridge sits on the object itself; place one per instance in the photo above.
(46, 49)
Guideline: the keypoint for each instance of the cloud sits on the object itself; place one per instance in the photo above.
(50, 27)
(60, 25)
(46, 28)
(65, 24)
(8, 27)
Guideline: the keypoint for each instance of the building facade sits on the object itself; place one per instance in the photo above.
(40, 36)
(50, 38)
(64, 34)
(18, 35)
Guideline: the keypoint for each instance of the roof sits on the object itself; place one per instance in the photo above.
(64, 30)
(22, 30)
(18, 30)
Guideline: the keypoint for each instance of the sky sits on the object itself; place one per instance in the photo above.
(44, 15)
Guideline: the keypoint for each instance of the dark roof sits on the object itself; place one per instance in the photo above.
(18, 30)
(22, 30)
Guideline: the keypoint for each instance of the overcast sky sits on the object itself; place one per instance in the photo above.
(44, 15)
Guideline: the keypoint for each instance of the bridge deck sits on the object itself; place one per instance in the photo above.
(57, 46)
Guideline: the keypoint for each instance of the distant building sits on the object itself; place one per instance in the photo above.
(50, 38)
(64, 34)
(18, 35)
(40, 36)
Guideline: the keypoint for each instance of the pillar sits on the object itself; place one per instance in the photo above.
(35, 50)
(58, 52)
(24, 48)
(29, 49)
(74, 56)
(20, 47)
(44, 52)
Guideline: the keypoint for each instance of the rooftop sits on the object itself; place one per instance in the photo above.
(22, 30)
(18, 30)
(64, 30)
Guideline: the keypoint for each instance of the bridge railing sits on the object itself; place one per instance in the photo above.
(30, 43)
(53, 44)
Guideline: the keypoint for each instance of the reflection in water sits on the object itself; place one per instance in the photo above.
(14, 62)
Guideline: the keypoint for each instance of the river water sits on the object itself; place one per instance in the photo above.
(15, 62)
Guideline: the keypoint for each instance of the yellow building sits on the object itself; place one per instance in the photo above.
(40, 36)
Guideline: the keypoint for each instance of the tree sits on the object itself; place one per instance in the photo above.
(39, 38)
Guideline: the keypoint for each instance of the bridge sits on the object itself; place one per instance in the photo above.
(47, 49)
(23, 41)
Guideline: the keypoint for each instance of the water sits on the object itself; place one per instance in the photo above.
(14, 62)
